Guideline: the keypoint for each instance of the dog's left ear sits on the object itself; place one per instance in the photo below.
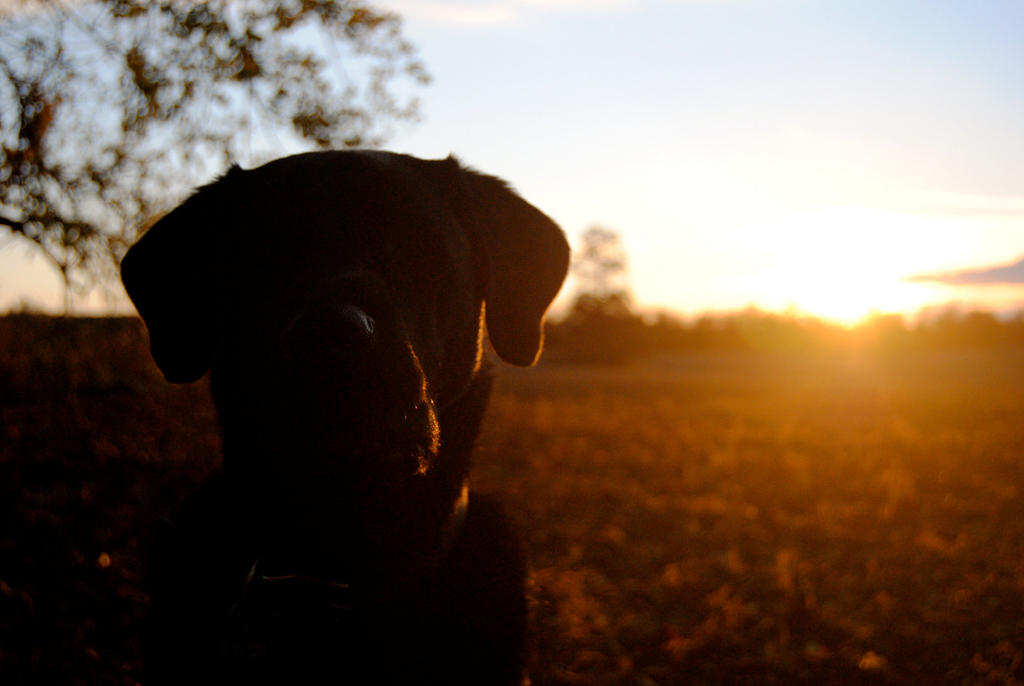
(525, 257)
(175, 277)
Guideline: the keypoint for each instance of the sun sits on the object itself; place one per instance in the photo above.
(840, 299)
(843, 265)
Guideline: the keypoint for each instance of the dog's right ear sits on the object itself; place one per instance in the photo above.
(172, 276)
(524, 255)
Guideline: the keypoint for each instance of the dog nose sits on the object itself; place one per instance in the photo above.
(354, 326)
(335, 328)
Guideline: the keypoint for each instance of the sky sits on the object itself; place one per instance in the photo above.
(828, 157)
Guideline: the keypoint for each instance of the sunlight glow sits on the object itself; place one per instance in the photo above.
(844, 264)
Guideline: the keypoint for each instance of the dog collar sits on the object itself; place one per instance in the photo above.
(333, 597)
(456, 521)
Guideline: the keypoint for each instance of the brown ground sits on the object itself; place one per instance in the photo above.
(716, 518)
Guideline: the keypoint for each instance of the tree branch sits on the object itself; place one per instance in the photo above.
(16, 227)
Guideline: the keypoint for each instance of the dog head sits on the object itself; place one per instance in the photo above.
(339, 301)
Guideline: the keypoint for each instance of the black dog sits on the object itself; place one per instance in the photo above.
(339, 300)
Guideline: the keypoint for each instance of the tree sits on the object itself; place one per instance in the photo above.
(602, 273)
(601, 326)
(110, 110)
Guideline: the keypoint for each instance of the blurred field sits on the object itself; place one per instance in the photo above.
(712, 518)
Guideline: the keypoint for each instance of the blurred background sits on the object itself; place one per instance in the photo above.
(827, 158)
(777, 435)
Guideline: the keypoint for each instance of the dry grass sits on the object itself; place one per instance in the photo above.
(773, 519)
(717, 518)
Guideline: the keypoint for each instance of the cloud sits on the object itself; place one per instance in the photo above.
(10, 8)
(973, 205)
(587, 5)
(457, 13)
(492, 12)
(1005, 274)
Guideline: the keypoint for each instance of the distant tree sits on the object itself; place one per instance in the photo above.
(110, 109)
(882, 332)
(601, 326)
(957, 329)
(601, 268)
